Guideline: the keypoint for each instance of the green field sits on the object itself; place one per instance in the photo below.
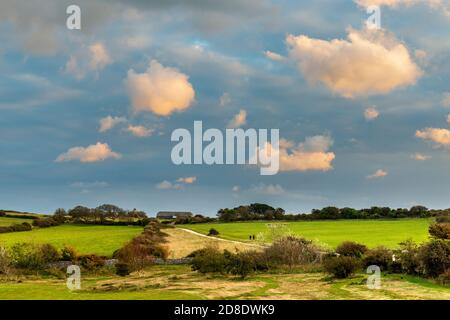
(331, 233)
(102, 240)
(7, 221)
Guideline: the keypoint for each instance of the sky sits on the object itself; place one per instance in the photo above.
(87, 115)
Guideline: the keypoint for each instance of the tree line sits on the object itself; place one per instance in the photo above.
(259, 211)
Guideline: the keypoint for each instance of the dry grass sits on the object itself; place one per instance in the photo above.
(181, 243)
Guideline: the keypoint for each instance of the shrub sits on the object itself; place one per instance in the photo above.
(45, 222)
(380, 256)
(33, 257)
(25, 226)
(213, 232)
(92, 262)
(241, 263)
(69, 254)
(49, 253)
(292, 251)
(340, 267)
(2, 213)
(122, 269)
(444, 278)
(434, 258)
(209, 259)
(440, 231)
(351, 249)
(406, 258)
(5, 261)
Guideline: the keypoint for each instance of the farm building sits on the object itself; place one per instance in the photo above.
(173, 214)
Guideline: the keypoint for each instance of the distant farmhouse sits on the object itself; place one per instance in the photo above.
(173, 214)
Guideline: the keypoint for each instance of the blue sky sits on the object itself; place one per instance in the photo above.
(374, 99)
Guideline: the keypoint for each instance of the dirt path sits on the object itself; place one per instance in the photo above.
(220, 239)
(182, 242)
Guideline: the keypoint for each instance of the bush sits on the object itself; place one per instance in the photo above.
(122, 269)
(2, 213)
(406, 258)
(380, 256)
(434, 258)
(292, 251)
(213, 232)
(209, 259)
(5, 261)
(92, 262)
(340, 267)
(351, 249)
(242, 263)
(33, 257)
(25, 226)
(46, 222)
(49, 253)
(440, 231)
(444, 278)
(69, 254)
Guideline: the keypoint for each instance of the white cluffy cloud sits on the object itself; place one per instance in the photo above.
(420, 157)
(380, 173)
(268, 189)
(238, 120)
(310, 155)
(167, 185)
(110, 122)
(440, 137)
(91, 59)
(93, 153)
(371, 114)
(161, 90)
(273, 56)
(187, 180)
(140, 131)
(368, 62)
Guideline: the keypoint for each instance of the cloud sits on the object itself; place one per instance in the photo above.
(441, 137)
(140, 131)
(420, 157)
(369, 62)
(225, 99)
(448, 118)
(91, 59)
(110, 122)
(436, 4)
(187, 180)
(446, 99)
(238, 120)
(371, 114)
(378, 174)
(310, 155)
(268, 189)
(236, 189)
(93, 153)
(167, 185)
(273, 56)
(161, 90)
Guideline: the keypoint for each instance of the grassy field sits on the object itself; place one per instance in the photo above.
(179, 282)
(331, 233)
(181, 243)
(7, 221)
(102, 240)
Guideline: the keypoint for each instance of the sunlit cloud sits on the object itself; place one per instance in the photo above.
(161, 90)
(93, 153)
(368, 62)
